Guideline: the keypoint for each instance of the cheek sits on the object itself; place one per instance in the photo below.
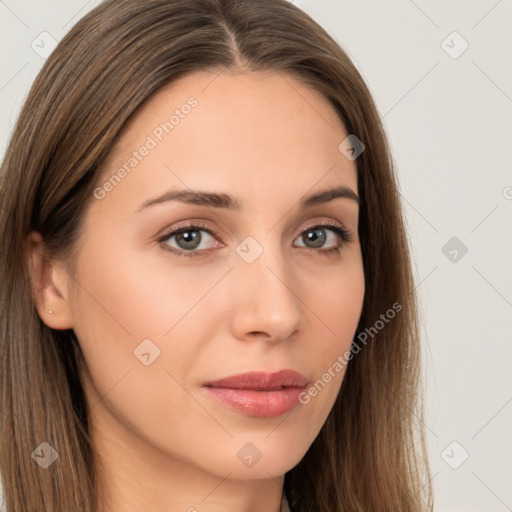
(132, 297)
(334, 301)
(143, 324)
(334, 312)
(134, 324)
(132, 306)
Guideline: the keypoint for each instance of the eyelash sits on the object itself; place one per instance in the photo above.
(343, 234)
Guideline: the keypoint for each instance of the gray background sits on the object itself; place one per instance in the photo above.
(448, 118)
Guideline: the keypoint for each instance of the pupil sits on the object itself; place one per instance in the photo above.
(191, 239)
(317, 236)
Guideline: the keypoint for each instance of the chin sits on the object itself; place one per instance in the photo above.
(254, 456)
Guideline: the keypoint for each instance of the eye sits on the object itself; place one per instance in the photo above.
(317, 236)
(186, 241)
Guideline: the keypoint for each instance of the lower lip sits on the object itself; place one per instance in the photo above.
(262, 404)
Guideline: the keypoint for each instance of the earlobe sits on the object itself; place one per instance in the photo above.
(49, 282)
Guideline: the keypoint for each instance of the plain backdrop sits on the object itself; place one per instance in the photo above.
(440, 72)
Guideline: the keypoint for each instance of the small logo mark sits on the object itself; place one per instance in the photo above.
(44, 44)
(454, 455)
(454, 45)
(146, 352)
(45, 455)
(249, 455)
(249, 249)
(454, 249)
(351, 147)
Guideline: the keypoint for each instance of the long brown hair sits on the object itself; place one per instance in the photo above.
(370, 454)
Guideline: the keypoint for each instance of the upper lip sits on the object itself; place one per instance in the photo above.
(261, 381)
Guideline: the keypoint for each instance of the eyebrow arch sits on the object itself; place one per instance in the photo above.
(219, 200)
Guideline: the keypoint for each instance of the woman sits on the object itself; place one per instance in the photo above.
(207, 301)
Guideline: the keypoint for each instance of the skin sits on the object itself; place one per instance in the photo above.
(163, 443)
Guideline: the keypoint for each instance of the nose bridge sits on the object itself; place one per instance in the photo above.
(267, 302)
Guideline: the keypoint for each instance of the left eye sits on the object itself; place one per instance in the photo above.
(189, 238)
(317, 236)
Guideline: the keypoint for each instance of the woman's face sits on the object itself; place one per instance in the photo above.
(256, 288)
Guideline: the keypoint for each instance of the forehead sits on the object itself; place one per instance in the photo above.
(246, 131)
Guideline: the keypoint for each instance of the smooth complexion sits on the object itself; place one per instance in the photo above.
(165, 442)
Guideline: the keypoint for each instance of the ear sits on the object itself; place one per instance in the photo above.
(50, 285)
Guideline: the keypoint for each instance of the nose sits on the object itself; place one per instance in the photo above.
(266, 304)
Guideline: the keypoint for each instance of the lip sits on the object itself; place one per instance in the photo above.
(259, 394)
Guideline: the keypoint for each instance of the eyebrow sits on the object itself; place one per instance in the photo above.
(219, 200)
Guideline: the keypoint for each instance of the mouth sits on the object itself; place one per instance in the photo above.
(259, 394)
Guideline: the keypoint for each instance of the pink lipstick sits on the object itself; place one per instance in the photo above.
(259, 394)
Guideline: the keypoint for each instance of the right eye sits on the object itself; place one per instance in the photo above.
(187, 239)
